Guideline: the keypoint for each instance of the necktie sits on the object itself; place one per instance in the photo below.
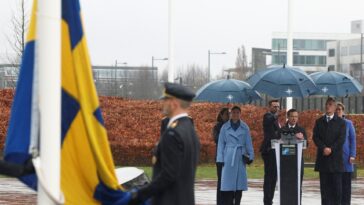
(328, 118)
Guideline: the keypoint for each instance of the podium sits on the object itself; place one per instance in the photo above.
(289, 158)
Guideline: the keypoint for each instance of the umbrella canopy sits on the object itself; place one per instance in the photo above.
(225, 91)
(283, 82)
(336, 84)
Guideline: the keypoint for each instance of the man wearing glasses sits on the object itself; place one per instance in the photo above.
(271, 127)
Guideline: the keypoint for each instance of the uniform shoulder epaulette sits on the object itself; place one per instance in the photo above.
(174, 124)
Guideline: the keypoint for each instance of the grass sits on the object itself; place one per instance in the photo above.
(255, 171)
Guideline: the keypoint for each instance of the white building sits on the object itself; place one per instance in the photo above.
(309, 49)
(344, 55)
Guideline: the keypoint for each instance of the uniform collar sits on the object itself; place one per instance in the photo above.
(176, 118)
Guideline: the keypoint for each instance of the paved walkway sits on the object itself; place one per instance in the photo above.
(205, 193)
(12, 192)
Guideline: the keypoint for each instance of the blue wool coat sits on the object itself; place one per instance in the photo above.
(231, 147)
(349, 148)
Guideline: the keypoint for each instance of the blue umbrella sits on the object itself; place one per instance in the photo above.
(283, 82)
(336, 84)
(228, 90)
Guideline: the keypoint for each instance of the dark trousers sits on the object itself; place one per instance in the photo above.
(218, 192)
(270, 176)
(346, 188)
(231, 197)
(331, 188)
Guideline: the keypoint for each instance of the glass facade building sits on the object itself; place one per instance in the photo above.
(279, 54)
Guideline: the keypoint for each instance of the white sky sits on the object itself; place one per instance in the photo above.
(133, 31)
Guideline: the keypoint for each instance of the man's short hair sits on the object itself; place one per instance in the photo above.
(341, 105)
(272, 101)
(236, 108)
(330, 99)
(291, 111)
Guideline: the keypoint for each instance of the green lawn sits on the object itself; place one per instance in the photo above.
(254, 172)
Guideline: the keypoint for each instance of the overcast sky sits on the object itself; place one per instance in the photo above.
(133, 31)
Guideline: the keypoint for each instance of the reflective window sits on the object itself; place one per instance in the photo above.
(300, 44)
(299, 60)
(331, 52)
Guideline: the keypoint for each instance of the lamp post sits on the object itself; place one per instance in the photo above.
(209, 61)
(157, 59)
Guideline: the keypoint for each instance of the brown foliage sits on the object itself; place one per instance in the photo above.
(133, 127)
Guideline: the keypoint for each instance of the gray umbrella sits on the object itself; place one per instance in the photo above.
(336, 84)
(228, 90)
(283, 82)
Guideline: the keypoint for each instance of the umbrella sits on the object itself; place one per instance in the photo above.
(336, 84)
(283, 82)
(225, 91)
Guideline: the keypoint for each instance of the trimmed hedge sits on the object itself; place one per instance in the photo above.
(133, 127)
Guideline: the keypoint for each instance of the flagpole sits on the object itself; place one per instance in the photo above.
(48, 62)
(171, 41)
(289, 46)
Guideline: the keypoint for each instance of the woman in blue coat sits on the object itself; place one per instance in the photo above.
(349, 154)
(234, 151)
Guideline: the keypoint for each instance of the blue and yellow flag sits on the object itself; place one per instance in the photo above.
(87, 167)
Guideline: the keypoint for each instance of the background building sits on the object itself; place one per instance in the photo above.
(347, 55)
(309, 49)
(261, 58)
(8, 75)
(126, 81)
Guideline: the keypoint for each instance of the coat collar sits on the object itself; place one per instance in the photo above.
(287, 125)
(228, 124)
(335, 118)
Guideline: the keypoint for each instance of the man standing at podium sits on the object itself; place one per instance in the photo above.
(270, 127)
(300, 134)
(329, 137)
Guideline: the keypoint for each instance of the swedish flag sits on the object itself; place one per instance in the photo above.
(87, 168)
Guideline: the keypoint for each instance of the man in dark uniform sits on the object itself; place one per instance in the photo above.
(270, 127)
(176, 156)
(329, 137)
(292, 127)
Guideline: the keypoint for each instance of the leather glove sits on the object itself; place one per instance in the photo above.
(247, 160)
(221, 164)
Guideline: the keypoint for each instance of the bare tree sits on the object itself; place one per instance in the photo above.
(243, 71)
(193, 76)
(16, 40)
(19, 26)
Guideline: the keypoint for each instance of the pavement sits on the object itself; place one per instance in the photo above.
(13, 192)
(206, 193)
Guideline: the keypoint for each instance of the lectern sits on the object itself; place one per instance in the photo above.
(289, 158)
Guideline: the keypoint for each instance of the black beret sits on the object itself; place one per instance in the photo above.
(178, 91)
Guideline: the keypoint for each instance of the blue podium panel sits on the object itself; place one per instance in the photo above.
(289, 158)
(288, 175)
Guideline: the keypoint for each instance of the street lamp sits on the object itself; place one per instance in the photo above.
(157, 59)
(209, 57)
